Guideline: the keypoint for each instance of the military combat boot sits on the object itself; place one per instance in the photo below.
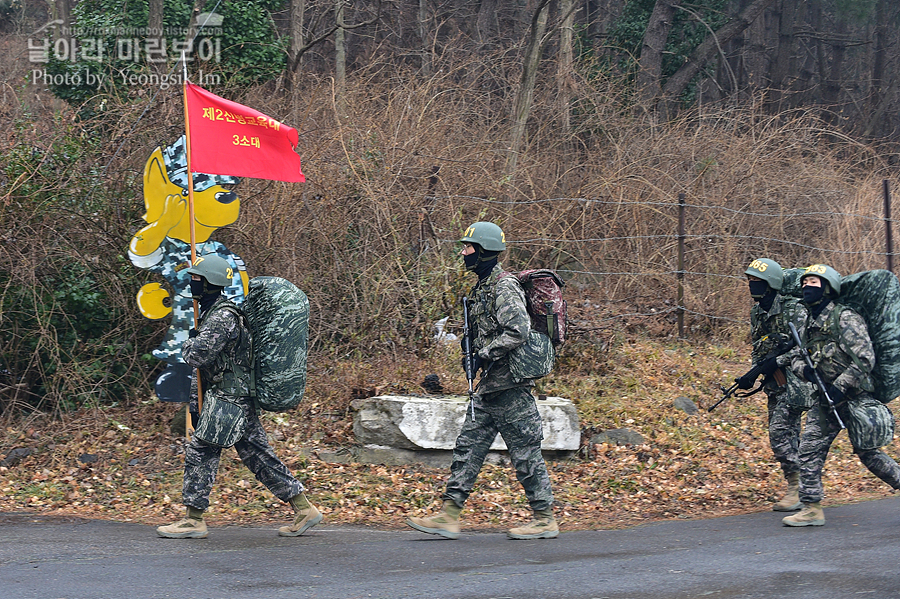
(445, 523)
(191, 527)
(810, 515)
(305, 517)
(542, 527)
(791, 500)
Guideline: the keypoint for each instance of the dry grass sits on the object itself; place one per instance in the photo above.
(695, 466)
(393, 177)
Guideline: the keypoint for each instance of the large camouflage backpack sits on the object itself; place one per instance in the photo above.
(875, 295)
(278, 314)
(547, 310)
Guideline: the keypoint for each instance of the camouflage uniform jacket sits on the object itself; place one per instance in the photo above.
(221, 350)
(500, 323)
(769, 332)
(838, 342)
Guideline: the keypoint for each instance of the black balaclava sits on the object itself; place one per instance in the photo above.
(758, 289)
(766, 301)
(762, 293)
(205, 294)
(481, 261)
(816, 298)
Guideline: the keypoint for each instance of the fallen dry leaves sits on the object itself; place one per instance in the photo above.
(125, 464)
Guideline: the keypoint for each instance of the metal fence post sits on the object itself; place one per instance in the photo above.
(680, 273)
(888, 238)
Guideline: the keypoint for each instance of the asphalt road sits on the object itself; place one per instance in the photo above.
(855, 555)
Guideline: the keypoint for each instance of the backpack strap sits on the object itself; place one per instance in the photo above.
(230, 307)
(834, 324)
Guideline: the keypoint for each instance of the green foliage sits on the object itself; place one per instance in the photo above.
(858, 10)
(689, 30)
(244, 50)
(65, 336)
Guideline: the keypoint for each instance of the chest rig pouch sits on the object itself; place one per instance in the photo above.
(223, 418)
(828, 355)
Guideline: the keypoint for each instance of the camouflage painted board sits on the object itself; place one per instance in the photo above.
(222, 422)
(875, 295)
(533, 359)
(870, 424)
(278, 313)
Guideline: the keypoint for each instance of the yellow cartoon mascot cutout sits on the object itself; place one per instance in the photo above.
(163, 247)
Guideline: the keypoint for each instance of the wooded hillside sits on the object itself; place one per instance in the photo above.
(574, 125)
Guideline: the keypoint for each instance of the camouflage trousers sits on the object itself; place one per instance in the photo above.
(201, 463)
(514, 414)
(821, 430)
(784, 432)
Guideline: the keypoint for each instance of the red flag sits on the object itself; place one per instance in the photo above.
(228, 138)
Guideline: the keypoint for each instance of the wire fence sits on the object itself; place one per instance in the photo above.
(683, 262)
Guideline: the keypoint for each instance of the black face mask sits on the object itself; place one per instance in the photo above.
(813, 295)
(758, 289)
(766, 301)
(198, 288)
(471, 260)
(205, 294)
(480, 262)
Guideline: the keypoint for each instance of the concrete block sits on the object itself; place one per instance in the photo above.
(434, 422)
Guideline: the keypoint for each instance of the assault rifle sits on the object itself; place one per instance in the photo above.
(753, 374)
(468, 357)
(823, 391)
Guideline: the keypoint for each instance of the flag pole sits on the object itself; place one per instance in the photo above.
(190, 183)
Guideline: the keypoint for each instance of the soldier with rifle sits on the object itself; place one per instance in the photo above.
(837, 354)
(499, 323)
(788, 397)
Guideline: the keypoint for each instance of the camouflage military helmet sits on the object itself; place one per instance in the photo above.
(214, 269)
(767, 270)
(488, 235)
(826, 273)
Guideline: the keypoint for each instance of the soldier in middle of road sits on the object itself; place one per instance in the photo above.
(837, 339)
(788, 397)
(501, 403)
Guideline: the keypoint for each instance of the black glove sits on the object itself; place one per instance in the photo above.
(809, 374)
(836, 395)
(768, 366)
(745, 382)
(192, 333)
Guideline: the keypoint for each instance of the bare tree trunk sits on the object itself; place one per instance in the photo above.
(62, 11)
(565, 74)
(781, 63)
(298, 10)
(705, 51)
(878, 99)
(340, 57)
(486, 20)
(192, 29)
(755, 60)
(423, 20)
(831, 93)
(154, 27)
(525, 94)
(648, 78)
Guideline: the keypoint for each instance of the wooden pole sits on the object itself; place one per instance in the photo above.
(888, 236)
(190, 178)
(680, 273)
